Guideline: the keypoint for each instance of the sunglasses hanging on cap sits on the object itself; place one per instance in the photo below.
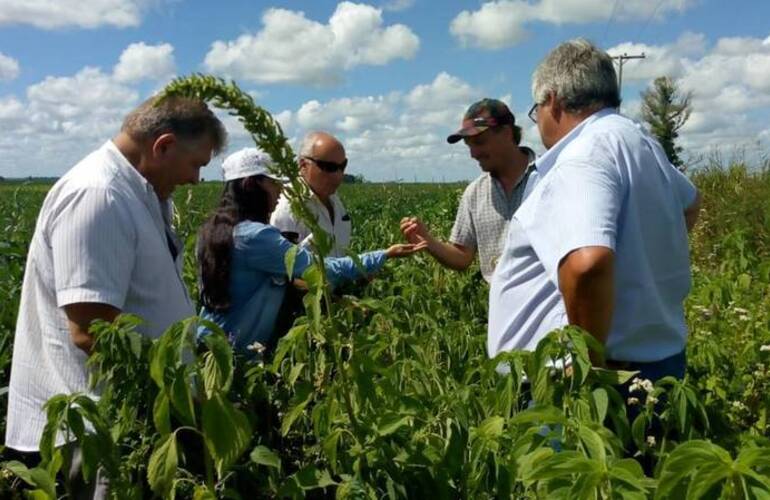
(329, 166)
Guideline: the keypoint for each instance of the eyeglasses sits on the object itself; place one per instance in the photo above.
(329, 166)
(533, 112)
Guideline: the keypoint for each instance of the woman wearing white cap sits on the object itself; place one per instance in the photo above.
(241, 256)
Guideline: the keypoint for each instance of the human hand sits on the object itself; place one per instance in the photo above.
(405, 249)
(414, 230)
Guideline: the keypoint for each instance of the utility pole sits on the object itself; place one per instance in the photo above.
(621, 61)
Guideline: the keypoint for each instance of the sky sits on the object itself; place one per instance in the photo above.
(390, 78)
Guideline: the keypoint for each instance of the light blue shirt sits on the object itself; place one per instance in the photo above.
(607, 183)
(258, 281)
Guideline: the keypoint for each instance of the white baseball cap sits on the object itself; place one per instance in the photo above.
(247, 162)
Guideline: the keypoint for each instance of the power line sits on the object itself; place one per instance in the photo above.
(649, 18)
(609, 21)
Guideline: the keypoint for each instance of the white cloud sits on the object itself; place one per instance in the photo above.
(502, 23)
(49, 14)
(291, 48)
(441, 102)
(397, 5)
(11, 110)
(669, 60)
(349, 114)
(145, 62)
(400, 134)
(730, 85)
(9, 68)
(58, 122)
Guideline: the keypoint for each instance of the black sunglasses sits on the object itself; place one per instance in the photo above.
(533, 112)
(329, 166)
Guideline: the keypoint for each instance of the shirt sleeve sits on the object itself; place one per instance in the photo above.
(463, 230)
(685, 189)
(284, 220)
(92, 240)
(266, 250)
(581, 201)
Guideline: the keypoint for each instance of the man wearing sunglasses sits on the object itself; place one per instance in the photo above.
(489, 130)
(322, 163)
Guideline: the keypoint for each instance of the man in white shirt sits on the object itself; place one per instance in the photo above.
(600, 240)
(322, 163)
(103, 245)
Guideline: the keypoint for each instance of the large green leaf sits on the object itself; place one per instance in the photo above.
(218, 364)
(263, 455)
(539, 414)
(289, 258)
(226, 430)
(163, 465)
(685, 459)
(36, 477)
(392, 422)
(302, 396)
(160, 414)
(181, 397)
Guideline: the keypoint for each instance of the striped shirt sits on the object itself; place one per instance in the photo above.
(607, 183)
(102, 236)
(482, 218)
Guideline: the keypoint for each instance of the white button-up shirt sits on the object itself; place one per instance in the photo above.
(102, 236)
(607, 183)
(338, 226)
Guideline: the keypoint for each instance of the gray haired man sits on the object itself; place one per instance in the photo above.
(103, 245)
(600, 240)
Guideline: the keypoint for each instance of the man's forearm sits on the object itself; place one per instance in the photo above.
(79, 319)
(450, 255)
(586, 282)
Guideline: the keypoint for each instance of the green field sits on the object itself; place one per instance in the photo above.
(387, 391)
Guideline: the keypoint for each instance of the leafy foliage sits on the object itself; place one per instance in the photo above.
(666, 110)
(386, 390)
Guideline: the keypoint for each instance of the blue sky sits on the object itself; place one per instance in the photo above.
(391, 78)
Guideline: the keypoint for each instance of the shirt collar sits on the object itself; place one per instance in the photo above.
(127, 171)
(548, 159)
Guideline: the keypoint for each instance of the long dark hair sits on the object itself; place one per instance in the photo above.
(242, 199)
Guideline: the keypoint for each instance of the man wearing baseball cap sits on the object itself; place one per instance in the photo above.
(489, 130)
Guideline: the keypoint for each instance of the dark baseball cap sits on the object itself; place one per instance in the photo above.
(495, 113)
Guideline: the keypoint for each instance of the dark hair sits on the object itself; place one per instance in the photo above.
(190, 119)
(242, 199)
(515, 129)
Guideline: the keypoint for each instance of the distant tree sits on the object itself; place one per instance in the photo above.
(665, 108)
(353, 179)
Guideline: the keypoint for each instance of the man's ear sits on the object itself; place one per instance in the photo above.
(163, 144)
(556, 109)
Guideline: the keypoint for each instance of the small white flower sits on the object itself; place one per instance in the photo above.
(739, 405)
(740, 310)
(256, 347)
(651, 400)
(765, 348)
(650, 441)
(633, 401)
(743, 317)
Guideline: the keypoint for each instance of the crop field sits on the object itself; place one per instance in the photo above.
(385, 390)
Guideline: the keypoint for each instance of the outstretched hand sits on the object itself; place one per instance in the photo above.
(405, 249)
(414, 230)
